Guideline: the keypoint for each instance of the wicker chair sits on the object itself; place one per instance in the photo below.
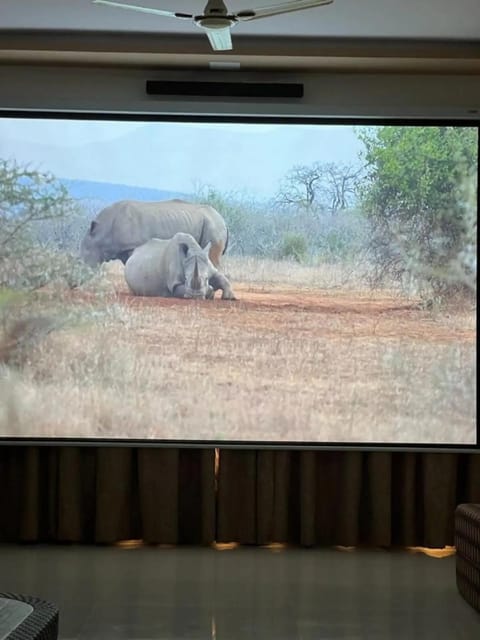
(38, 620)
(467, 543)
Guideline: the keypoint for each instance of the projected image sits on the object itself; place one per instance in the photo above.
(262, 282)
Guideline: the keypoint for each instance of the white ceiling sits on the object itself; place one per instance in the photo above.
(404, 36)
(404, 19)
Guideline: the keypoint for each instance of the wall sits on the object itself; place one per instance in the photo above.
(328, 94)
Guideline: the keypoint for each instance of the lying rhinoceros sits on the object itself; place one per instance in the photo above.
(177, 268)
(125, 225)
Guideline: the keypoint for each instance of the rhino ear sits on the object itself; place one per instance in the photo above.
(93, 226)
(206, 249)
(183, 248)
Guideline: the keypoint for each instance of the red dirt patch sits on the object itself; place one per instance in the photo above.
(333, 313)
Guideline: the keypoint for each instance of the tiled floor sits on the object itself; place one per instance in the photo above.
(150, 593)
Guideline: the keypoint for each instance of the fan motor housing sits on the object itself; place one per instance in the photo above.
(215, 22)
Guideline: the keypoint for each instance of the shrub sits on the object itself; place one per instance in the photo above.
(418, 200)
(35, 211)
(37, 266)
(293, 247)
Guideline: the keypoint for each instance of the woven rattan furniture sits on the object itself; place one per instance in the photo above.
(467, 543)
(27, 618)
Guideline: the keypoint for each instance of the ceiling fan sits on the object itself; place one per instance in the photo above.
(216, 20)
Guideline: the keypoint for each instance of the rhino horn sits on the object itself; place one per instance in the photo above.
(196, 284)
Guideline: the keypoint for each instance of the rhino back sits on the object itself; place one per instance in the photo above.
(129, 223)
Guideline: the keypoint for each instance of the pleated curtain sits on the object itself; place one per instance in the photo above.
(103, 495)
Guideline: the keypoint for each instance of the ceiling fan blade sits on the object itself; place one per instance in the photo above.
(220, 39)
(134, 7)
(276, 9)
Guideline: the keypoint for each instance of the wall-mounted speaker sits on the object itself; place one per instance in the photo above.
(224, 89)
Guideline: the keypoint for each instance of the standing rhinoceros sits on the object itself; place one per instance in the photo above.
(125, 225)
(177, 268)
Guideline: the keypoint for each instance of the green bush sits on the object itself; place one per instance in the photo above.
(418, 200)
(38, 266)
(37, 223)
(293, 247)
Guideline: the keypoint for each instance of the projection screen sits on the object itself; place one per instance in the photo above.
(223, 281)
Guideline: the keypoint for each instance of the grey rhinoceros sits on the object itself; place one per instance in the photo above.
(125, 225)
(177, 268)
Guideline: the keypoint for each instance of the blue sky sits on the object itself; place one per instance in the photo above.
(250, 158)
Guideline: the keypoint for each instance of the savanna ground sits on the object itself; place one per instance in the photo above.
(305, 354)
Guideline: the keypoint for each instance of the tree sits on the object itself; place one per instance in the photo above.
(416, 198)
(320, 188)
(26, 197)
(301, 186)
(29, 198)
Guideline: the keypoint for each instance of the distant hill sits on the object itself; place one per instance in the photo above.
(167, 157)
(108, 192)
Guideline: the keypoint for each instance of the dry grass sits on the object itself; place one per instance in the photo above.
(282, 363)
(264, 273)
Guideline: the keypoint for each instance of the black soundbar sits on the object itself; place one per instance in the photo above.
(225, 89)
